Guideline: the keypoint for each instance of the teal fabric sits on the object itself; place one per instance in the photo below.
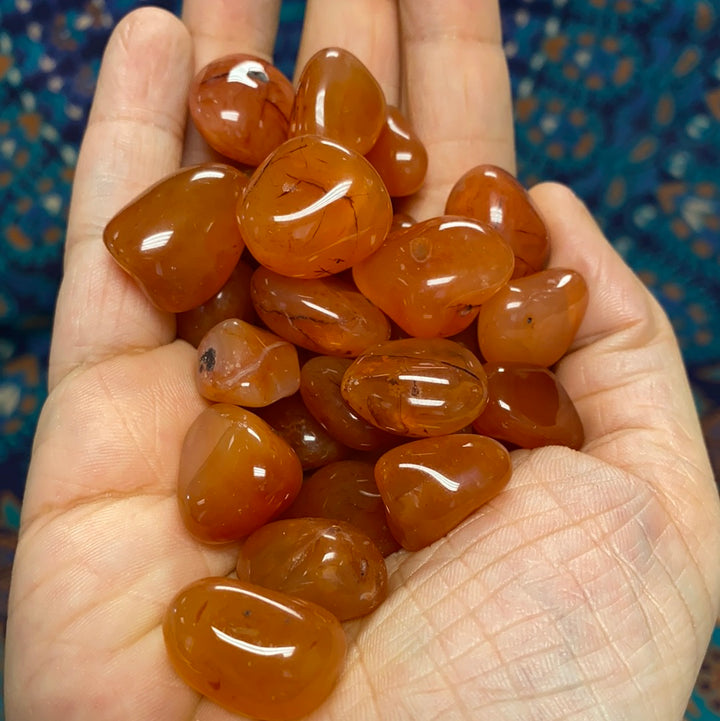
(620, 99)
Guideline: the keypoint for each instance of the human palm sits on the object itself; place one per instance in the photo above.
(586, 590)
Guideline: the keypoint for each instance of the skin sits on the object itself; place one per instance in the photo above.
(587, 590)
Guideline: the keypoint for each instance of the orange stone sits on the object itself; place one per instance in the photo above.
(346, 491)
(339, 99)
(314, 208)
(533, 319)
(254, 651)
(416, 387)
(528, 406)
(401, 221)
(399, 155)
(325, 315)
(231, 301)
(320, 380)
(432, 277)
(179, 239)
(291, 420)
(236, 474)
(431, 485)
(328, 562)
(493, 196)
(240, 363)
(241, 105)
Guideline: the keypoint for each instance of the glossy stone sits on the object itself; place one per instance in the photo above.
(179, 239)
(291, 420)
(328, 562)
(492, 195)
(533, 319)
(314, 208)
(401, 221)
(346, 491)
(338, 98)
(416, 387)
(432, 277)
(325, 315)
(429, 486)
(235, 474)
(320, 380)
(399, 155)
(528, 406)
(241, 105)
(231, 301)
(254, 651)
(240, 363)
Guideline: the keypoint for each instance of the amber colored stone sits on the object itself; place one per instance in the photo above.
(528, 407)
(291, 420)
(533, 319)
(338, 98)
(328, 562)
(240, 363)
(400, 221)
(431, 278)
(346, 491)
(492, 195)
(416, 387)
(254, 651)
(399, 155)
(235, 474)
(179, 239)
(314, 208)
(325, 315)
(241, 105)
(320, 380)
(231, 301)
(431, 485)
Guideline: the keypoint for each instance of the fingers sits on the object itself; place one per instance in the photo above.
(624, 372)
(134, 137)
(225, 27)
(457, 92)
(366, 28)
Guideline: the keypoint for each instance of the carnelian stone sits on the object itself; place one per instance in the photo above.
(328, 562)
(231, 301)
(338, 98)
(314, 446)
(528, 406)
(179, 240)
(346, 491)
(533, 319)
(492, 195)
(432, 277)
(416, 387)
(254, 651)
(325, 315)
(320, 380)
(314, 208)
(431, 485)
(236, 473)
(401, 221)
(240, 363)
(399, 155)
(241, 105)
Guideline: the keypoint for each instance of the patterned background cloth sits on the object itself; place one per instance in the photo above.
(620, 99)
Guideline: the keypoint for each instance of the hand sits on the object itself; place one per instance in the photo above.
(587, 590)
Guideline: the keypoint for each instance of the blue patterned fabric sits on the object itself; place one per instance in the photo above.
(620, 99)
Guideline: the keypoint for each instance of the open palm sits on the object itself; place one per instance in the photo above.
(586, 590)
